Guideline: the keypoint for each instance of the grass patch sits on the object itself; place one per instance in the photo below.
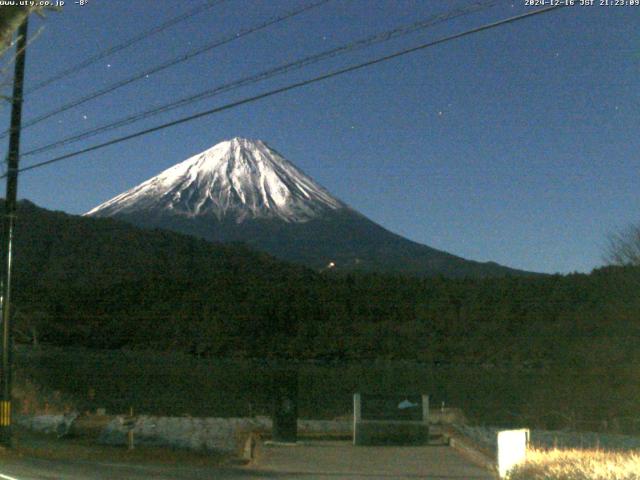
(578, 465)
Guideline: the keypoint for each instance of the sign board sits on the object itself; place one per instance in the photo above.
(129, 422)
(392, 408)
(390, 419)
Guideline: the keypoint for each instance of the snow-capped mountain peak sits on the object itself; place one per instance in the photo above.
(235, 180)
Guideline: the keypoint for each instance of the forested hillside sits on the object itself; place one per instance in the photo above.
(101, 283)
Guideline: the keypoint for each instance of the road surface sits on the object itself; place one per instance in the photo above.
(340, 459)
(307, 461)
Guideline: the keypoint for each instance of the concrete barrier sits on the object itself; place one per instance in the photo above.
(194, 433)
(500, 453)
(481, 455)
(58, 424)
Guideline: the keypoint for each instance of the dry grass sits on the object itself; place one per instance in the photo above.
(578, 465)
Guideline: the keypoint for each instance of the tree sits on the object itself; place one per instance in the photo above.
(624, 247)
(11, 17)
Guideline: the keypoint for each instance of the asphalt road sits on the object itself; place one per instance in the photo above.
(340, 459)
(313, 460)
(37, 469)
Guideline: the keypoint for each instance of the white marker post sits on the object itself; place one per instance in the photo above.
(512, 449)
(357, 415)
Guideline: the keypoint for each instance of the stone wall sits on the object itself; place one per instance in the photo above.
(203, 434)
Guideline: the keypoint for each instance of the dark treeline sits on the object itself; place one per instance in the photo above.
(103, 284)
(533, 346)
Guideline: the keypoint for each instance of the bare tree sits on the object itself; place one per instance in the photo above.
(10, 19)
(624, 247)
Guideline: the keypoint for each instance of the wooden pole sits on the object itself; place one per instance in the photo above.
(13, 157)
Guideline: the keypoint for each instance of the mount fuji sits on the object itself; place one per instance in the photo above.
(243, 190)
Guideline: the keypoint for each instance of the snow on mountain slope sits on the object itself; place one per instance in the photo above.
(237, 179)
(243, 191)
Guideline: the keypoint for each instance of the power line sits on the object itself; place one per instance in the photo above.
(293, 86)
(270, 73)
(121, 46)
(174, 61)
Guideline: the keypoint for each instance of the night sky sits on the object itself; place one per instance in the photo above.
(519, 144)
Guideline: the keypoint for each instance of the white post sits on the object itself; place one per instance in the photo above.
(425, 408)
(512, 449)
(357, 414)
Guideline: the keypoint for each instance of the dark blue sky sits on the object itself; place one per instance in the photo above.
(519, 144)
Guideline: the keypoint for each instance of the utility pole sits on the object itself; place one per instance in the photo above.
(9, 221)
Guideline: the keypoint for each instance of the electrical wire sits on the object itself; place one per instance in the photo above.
(293, 86)
(121, 46)
(170, 63)
(270, 73)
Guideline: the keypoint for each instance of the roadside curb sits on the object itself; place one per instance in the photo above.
(471, 450)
